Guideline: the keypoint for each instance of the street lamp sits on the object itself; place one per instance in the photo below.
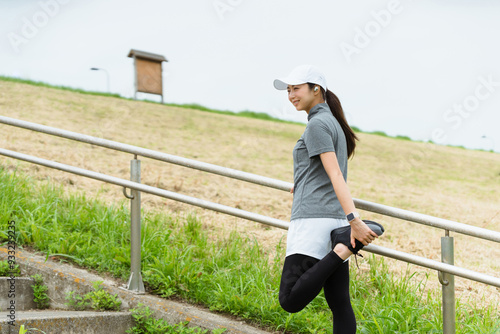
(107, 74)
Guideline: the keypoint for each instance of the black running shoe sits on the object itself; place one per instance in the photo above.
(343, 235)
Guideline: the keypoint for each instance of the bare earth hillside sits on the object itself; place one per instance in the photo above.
(451, 183)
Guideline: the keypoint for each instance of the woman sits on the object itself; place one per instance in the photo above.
(325, 228)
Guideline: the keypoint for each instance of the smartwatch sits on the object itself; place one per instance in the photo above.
(353, 215)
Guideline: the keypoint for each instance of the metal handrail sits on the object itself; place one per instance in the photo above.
(420, 218)
(424, 219)
(466, 273)
(432, 264)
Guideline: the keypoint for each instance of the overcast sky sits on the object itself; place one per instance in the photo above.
(425, 69)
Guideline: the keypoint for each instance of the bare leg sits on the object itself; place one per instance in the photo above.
(342, 251)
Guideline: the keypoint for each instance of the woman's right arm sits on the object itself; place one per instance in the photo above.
(359, 230)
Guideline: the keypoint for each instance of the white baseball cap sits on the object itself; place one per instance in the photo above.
(300, 75)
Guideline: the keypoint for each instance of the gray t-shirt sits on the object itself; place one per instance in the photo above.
(314, 196)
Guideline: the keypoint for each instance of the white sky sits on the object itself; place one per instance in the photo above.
(424, 69)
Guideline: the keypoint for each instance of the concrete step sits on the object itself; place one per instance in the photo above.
(17, 293)
(68, 322)
(62, 278)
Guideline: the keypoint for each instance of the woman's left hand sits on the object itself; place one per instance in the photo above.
(360, 231)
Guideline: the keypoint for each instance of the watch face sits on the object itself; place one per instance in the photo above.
(352, 215)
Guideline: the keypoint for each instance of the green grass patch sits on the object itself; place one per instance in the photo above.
(98, 299)
(229, 274)
(44, 84)
(244, 113)
(144, 323)
(41, 298)
(379, 133)
(8, 270)
(403, 138)
(383, 134)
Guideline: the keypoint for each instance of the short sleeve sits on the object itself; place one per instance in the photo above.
(319, 137)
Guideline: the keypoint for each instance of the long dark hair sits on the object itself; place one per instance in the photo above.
(336, 108)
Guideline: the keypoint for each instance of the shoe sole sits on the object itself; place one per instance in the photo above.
(375, 227)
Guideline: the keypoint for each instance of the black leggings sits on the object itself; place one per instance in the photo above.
(304, 276)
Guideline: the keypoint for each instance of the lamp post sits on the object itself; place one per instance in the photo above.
(492, 142)
(107, 75)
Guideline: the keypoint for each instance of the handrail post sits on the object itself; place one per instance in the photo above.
(135, 280)
(448, 285)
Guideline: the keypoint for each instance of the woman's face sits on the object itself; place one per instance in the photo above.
(301, 96)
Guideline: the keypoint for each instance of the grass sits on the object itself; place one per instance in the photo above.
(144, 323)
(6, 270)
(98, 299)
(41, 298)
(244, 113)
(229, 273)
(44, 84)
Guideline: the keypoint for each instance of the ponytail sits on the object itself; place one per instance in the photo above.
(336, 108)
(334, 103)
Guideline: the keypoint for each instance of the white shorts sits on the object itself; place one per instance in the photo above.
(311, 236)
